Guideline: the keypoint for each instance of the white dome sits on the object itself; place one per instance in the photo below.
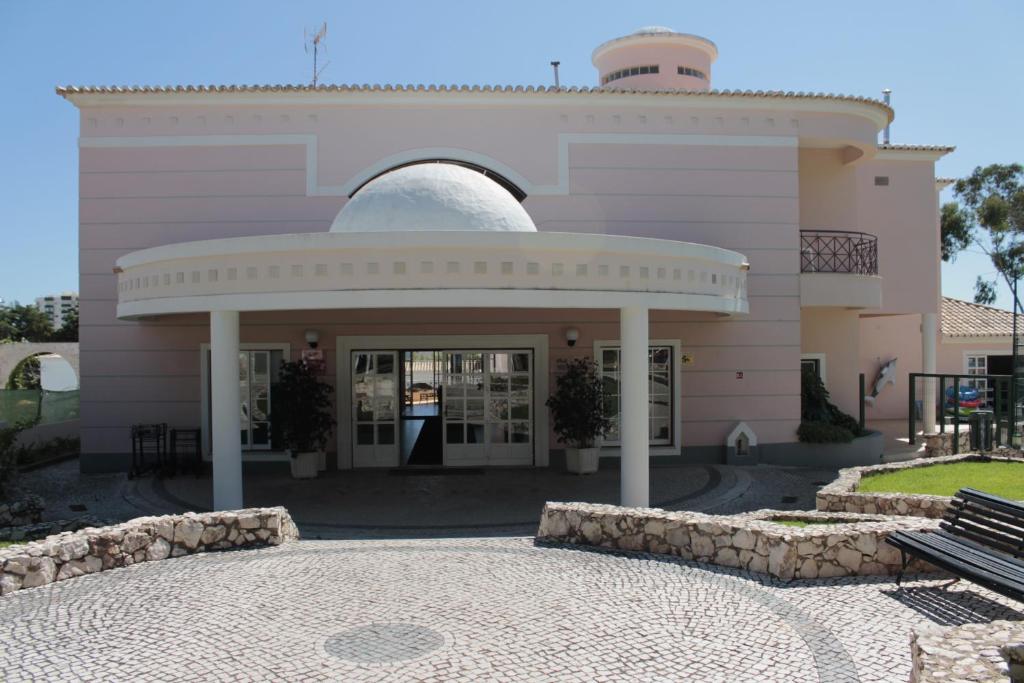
(432, 196)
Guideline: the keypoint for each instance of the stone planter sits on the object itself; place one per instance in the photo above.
(305, 465)
(838, 545)
(582, 460)
(842, 494)
(28, 510)
(145, 539)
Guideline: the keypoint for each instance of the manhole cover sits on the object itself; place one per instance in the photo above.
(379, 643)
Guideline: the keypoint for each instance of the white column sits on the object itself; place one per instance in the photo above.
(635, 460)
(929, 334)
(226, 421)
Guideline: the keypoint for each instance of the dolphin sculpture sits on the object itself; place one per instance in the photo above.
(886, 375)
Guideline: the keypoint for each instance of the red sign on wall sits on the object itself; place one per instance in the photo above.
(314, 359)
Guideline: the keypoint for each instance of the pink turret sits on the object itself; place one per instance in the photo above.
(656, 58)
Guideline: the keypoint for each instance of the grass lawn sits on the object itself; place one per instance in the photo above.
(798, 523)
(1003, 479)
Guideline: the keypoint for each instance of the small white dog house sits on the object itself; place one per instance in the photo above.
(741, 446)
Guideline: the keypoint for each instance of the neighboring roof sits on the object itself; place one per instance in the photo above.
(917, 148)
(69, 91)
(966, 319)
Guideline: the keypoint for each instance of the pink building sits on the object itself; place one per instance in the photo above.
(475, 236)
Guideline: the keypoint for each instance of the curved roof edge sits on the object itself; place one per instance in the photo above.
(652, 34)
(71, 91)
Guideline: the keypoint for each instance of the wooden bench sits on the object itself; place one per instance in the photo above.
(981, 538)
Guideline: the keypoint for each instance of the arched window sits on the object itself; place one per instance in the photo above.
(512, 188)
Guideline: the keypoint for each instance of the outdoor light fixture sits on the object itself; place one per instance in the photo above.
(312, 338)
(571, 335)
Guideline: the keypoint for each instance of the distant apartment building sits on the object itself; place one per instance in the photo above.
(57, 306)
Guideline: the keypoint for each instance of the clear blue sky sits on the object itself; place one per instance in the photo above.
(955, 68)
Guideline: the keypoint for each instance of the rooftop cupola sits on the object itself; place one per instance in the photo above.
(655, 58)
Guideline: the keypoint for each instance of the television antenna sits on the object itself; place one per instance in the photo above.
(315, 42)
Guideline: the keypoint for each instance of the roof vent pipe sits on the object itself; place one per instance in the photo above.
(887, 98)
(554, 65)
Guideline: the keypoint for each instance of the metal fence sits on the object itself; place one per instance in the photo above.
(953, 407)
(838, 251)
(18, 405)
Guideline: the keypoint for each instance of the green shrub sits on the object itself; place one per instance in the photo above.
(817, 412)
(823, 432)
(10, 451)
(577, 406)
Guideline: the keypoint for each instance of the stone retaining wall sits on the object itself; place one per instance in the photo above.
(842, 495)
(853, 546)
(33, 532)
(1013, 653)
(71, 554)
(941, 443)
(28, 510)
(971, 652)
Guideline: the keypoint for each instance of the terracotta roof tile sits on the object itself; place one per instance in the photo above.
(966, 319)
(70, 90)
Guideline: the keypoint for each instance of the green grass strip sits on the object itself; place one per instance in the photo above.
(1003, 479)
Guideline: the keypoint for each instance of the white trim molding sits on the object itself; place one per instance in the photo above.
(538, 343)
(437, 268)
(311, 144)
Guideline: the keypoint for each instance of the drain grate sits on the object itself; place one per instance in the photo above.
(383, 643)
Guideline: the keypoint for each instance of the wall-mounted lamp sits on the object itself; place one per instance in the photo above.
(312, 338)
(571, 336)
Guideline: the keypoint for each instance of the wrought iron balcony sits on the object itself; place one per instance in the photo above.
(838, 251)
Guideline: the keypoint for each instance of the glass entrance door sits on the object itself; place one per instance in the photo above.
(487, 406)
(375, 408)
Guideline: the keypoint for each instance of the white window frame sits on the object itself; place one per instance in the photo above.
(204, 401)
(676, 345)
(820, 357)
(985, 353)
(539, 343)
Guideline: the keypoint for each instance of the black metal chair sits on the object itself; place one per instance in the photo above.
(148, 440)
(186, 450)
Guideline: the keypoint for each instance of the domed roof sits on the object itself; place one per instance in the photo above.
(649, 30)
(432, 196)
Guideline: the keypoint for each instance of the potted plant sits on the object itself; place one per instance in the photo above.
(302, 416)
(577, 409)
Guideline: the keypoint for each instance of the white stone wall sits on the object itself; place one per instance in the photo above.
(849, 545)
(146, 539)
(970, 652)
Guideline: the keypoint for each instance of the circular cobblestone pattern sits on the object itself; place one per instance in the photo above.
(451, 610)
(379, 643)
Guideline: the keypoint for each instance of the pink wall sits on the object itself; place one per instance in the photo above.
(904, 216)
(835, 332)
(735, 196)
(885, 337)
(668, 57)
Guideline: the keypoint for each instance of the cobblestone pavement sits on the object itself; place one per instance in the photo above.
(372, 504)
(466, 610)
